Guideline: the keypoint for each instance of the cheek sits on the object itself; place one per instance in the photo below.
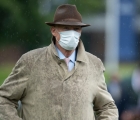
(80, 31)
(57, 36)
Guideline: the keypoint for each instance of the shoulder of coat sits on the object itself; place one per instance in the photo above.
(95, 61)
(31, 56)
(34, 53)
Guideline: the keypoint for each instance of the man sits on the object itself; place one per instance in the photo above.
(58, 82)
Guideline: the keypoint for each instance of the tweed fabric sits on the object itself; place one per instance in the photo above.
(48, 91)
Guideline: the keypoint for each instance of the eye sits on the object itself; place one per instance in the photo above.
(77, 28)
(66, 28)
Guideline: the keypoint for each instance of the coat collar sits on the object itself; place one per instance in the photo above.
(81, 53)
(72, 57)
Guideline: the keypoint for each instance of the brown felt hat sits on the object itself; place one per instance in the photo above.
(67, 15)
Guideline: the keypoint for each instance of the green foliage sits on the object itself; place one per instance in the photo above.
(5, 71)
(22, 24)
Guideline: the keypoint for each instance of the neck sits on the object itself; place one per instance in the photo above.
(66, 53)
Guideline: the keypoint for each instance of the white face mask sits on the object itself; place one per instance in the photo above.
(69, 39)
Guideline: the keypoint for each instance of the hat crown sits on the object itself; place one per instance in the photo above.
(67, 12)
(67, 15)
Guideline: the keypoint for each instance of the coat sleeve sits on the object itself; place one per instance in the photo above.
(104, 106)
(12, 90)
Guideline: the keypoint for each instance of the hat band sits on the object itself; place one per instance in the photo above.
(68, 20)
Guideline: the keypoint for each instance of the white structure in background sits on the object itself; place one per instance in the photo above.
(97, 22)
(112, 36)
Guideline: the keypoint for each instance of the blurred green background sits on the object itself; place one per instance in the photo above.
(23, 22)
(23, 28)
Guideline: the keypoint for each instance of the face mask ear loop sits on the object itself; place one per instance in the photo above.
(59, 34)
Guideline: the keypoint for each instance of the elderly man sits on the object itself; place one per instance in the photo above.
(58, 82)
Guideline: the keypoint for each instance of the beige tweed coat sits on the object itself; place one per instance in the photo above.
(48, 91)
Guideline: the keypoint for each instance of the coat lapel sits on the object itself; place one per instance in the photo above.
(62, 69)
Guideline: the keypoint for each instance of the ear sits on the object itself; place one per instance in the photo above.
(53, 30)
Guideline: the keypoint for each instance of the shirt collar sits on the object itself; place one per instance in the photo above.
(72, 57)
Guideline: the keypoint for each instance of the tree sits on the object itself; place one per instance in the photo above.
(21, 24)
(89, 7)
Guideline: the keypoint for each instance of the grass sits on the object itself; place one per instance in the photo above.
(125, 71)
(5, 70)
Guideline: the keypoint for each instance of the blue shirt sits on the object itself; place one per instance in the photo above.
(72, 58)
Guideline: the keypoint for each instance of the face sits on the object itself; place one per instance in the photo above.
(60, 28)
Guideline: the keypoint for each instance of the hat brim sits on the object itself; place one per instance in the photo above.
(67, 23)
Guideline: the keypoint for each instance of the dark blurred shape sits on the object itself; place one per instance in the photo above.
(132, 114)
(129, 97)
(136, 83)
(94, 43)
(10, 53)
(114, 87)
(136, 80)
(130, 105)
